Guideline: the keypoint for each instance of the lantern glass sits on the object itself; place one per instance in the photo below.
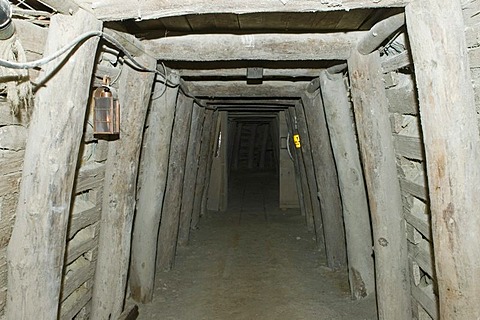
(106, 116)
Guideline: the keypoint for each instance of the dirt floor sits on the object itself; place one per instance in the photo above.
(254, 261)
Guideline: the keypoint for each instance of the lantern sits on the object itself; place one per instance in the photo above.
(106, 110)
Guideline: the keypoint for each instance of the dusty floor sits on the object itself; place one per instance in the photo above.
(253, 262)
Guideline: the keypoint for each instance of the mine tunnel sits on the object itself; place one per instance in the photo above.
(254, 159)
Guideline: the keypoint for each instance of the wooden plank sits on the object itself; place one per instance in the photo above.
(89, 177)
(414, 189)
(10, 183)
(219, 89)
(151, 191)
(55, 131)
(11, 162)
(325, 179)
(275, 47)
(402, 98)
(75, 279)
(422, 254)
(154, 9)
(396, 62)
(68, 7)
(383, 188)
(427, 301)
(452, 149)
(31, 36)
(191, 171)
(409, 147)
(208, 126)
(241, 72)
(84, 213)
(422, 226)
(119, 194)
(167, 235)
(69, 312)
(356, 214)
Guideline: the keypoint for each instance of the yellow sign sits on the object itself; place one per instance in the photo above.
(296, 140)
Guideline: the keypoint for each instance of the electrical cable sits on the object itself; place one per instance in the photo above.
(74, 43)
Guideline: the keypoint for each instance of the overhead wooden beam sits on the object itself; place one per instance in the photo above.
(274, 47)
(37, 246)
(380, 32)
(153, 9)
(452, 149)
(241, 72)
(119, 190)
(240, 89)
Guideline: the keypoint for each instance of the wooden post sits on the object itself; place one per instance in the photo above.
(251, 146)
(356, 215)
(217, 191)
(236, 146)
(167, 236)
(37, 246)
(287, 189)
(266, 130)
(309, 196)
(213, 141)
(151, 191)
(191, 165)
(202, 168)
(383, 187)
(450, 132)
(119, 194)
(323, 167)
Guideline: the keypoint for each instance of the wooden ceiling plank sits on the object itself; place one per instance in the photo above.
(353, 19)
(201, 22)
(152, 9)
(275, 47)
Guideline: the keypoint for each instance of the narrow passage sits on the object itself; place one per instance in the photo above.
(254, 261)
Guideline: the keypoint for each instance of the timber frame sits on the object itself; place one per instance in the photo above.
(451, 155)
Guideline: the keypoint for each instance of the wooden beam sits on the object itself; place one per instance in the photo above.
(380, 32)
(119, 194)
(152, 182)
(154, 9)
(383, 187)
(191, 165)
(275, 47)
(241, 72)
(208, 126)
(211, 152)
(68, 7)
(240, 89)
(356, 215)
(452, 149)
(326, 180)
(303, 160)
(300, 180)
(37, 246)
(167, 236)
(129, 42)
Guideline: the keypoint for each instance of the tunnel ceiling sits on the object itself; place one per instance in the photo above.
(225, 82)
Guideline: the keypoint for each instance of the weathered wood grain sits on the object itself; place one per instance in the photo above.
(452, 149)
(55, 131)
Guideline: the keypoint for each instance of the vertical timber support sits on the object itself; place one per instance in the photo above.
(298, 177)
(37, 246)
(191, 165)
(287, 188)
(167, 235)
(152, 182)
(202, 168)
(217, 193)
(212, 143)
(305, 152)
(326, 180)
(450, 132)
(236, 146)
(251, 146)
(356, 214)
(383, 187)
(119, 194)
